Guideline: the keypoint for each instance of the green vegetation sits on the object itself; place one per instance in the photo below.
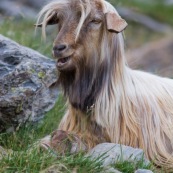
(24, 33)
(156, 8)
(129, 167)
(34, 161)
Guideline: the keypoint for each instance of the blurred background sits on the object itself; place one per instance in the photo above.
(148, 38)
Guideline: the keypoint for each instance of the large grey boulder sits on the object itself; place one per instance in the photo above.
(27, 79)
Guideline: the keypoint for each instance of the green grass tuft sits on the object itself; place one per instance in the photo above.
(131, 167)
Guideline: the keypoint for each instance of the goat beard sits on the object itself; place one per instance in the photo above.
(82, 85)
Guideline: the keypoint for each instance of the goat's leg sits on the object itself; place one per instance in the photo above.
(76, 132)
(65, 139)
(63, 142)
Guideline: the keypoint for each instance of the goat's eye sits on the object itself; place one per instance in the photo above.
(95, 21)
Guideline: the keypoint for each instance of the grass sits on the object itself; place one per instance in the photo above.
(129, 166)
(23, 31)
(36, 161)
(26, 158)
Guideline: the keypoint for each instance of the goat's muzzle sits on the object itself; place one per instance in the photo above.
(59, 49)
(63, 53)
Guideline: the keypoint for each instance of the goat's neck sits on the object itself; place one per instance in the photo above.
(82, 89)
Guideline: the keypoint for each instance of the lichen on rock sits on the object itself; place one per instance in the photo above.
(27, 81)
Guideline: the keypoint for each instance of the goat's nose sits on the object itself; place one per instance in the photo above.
(60, 47)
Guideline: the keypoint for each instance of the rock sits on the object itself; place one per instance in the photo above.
(19, 10)
(143, 171)
(155, 57)
(168, 2)
(27, 81)
(109, 153)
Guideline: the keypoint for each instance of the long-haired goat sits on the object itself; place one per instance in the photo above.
(107, 101)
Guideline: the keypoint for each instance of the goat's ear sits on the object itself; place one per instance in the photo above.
(115, 23)
(51, 20)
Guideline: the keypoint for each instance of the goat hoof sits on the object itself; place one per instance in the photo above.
(45, 143)
(63, 142)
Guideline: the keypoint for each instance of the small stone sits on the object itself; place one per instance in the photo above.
(143, 171)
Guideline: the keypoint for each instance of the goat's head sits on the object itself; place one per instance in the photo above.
(85, 47)
(81, 25)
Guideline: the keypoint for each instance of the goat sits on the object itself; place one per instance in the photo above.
(107, 101)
